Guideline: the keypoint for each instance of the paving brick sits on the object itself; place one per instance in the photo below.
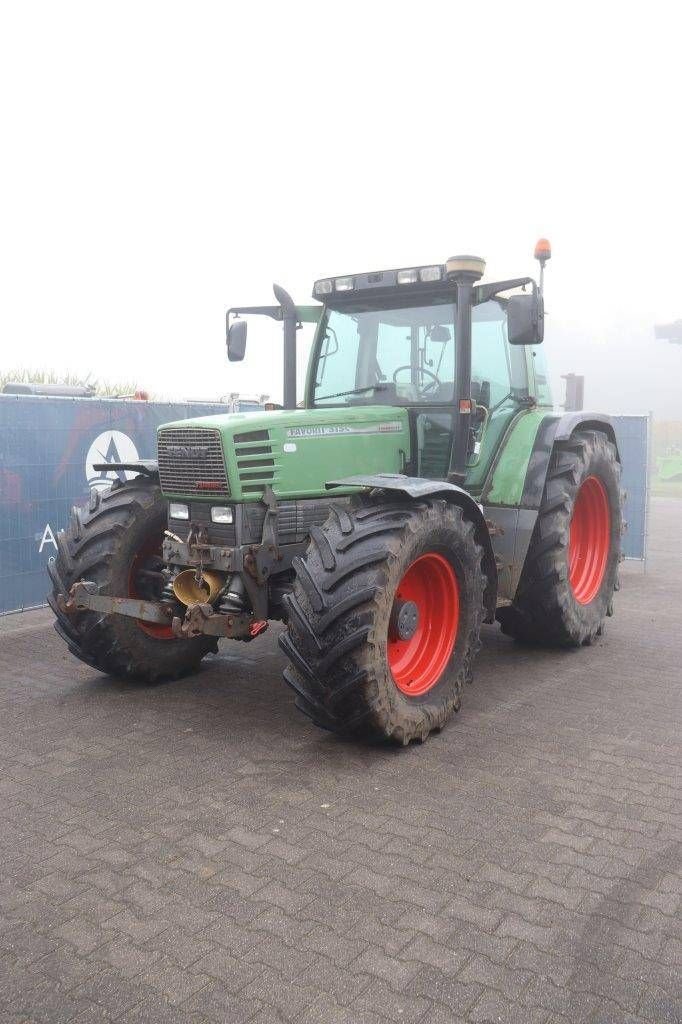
(495, 947)
(517, 927)
(324, 975)
(382, 999)
(481, 971)
(140, 929)
(482, 917)
(110, 990)
(658, 1005)
(213, 1003)
(271, 989)
(396, 972)
(81, 935)
(174, 983)
(130, 960)
(493, 1008)
(392, 938)
(445, 991)
(423, 950)
(528, 958)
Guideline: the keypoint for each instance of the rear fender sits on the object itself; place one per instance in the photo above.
(555, 429)
(416, 488)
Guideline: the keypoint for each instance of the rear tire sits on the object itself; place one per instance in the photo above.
(107, 543)
(571, 569)
(355, 665)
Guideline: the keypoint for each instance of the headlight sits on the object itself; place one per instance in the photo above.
(177, 510)
(222, 514)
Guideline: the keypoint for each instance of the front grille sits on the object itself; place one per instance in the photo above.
(255, 462)
(191, 461)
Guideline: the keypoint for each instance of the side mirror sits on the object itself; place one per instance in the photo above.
(525, 319)
(236, 341)
(439, 333)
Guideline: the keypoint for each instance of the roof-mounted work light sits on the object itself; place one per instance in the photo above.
(408, 276)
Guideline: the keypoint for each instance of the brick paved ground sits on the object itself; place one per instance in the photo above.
(199, 852)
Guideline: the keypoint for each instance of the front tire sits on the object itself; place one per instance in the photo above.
(116, 543)
(384, 619)
(571, 569)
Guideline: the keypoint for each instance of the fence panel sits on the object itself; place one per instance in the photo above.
(633, 433)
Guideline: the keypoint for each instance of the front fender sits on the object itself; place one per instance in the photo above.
(416, 488)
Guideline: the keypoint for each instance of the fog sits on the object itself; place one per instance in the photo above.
(162, 161)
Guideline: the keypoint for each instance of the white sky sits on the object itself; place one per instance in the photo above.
(162, 161)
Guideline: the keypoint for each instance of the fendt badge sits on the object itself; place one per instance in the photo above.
(187, 451)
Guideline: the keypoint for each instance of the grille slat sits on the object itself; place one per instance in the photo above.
(188, 456)
(254, 474)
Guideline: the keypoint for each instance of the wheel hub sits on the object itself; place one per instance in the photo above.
(589, 540)
(404, 620)
(423, 624)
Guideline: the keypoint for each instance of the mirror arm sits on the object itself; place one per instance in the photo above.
(275, 312)
(483, 292)
(272, 311)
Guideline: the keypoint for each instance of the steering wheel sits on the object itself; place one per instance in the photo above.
(423, 372)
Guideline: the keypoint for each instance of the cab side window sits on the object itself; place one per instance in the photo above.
(497, 369)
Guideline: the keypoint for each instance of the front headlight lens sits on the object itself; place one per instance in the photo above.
(177, 510)
(222, 514)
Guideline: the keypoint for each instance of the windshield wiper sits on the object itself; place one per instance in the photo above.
(354, 391)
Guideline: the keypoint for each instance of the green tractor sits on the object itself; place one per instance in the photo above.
(423, 487)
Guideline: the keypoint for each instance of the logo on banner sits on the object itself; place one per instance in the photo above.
(110, 446)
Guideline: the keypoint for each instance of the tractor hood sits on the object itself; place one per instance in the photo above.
(294, 451)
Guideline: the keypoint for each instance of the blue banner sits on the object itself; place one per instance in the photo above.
(48, 447)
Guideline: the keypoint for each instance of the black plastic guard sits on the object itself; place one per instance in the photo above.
(146, 467)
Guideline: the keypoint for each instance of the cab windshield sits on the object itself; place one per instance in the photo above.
(405, 355)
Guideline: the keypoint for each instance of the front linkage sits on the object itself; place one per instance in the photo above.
(245, 571)
(199, 619)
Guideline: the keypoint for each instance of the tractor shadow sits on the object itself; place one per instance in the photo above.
(240, 692)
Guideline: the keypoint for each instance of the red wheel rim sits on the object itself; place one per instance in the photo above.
(590, 540)
(150, 549)
(417, 663)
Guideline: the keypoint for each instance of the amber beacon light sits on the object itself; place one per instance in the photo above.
(543, 252)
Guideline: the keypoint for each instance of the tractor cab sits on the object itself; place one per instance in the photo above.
(459, 357)
(401, 350)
